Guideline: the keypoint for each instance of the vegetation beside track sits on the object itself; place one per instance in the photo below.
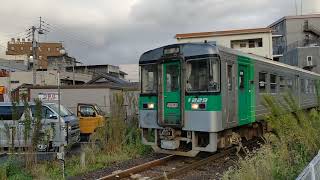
(291, 145)
(117, 141)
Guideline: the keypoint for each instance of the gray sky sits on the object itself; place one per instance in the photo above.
(119, 31)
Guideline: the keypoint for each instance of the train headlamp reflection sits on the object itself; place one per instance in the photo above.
(194, 106)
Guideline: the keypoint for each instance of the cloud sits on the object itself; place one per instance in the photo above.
(118, 32)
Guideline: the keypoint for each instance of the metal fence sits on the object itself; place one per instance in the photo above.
(312, 171)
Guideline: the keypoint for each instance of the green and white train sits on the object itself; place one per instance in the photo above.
(199, 96)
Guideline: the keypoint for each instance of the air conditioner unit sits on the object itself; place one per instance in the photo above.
(309, 61)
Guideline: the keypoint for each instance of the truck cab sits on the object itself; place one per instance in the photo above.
(90, 117)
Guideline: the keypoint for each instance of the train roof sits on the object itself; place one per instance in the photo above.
(197, 49)
(187, 49)
(265, 60)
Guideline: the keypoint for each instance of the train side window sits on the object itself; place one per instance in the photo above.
(262, 82)
(302, 86)
(306, 86)
(273, 83)
(241, 80)
(290, 84)
(282, 84)
(229, 69)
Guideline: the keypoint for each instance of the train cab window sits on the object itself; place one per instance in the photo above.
(273, 83)
(149, 78)
(172, 78)
(203, 75)
(262, 82)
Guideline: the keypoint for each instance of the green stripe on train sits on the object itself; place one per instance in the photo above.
(246, 91)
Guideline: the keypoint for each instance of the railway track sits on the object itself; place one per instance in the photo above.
(171, 166)
(165, 168)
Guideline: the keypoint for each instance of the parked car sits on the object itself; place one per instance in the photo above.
(91, 117)
(12, 131)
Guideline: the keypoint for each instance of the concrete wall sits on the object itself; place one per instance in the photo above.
(265, 51)
(71, 97)
(294, 30)
(298, 57)
(103, 97)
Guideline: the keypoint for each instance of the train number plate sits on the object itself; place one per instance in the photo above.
(172, 105)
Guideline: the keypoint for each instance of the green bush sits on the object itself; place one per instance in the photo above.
(13, 170)
(293, 142)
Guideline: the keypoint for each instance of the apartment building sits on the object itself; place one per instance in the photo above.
(18, 47)
(256, 41)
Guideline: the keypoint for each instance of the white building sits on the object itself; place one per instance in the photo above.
(255, 41)
(132, 70)
(16, 79)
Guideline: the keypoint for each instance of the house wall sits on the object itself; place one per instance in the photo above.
(71, 97)
(16, 79)
(103, 97)
(265, 50)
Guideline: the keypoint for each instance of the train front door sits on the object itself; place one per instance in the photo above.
(172, 93)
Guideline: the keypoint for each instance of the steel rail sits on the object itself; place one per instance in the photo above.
(139, 168)
(182, 170)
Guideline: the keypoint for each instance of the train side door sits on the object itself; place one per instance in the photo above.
(231, 108)
(172, 93)
(243, 93)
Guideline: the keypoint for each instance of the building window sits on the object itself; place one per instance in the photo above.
(21, 48)
(273, 83)
(243, 44)
(49, 49)
(251, 43)
(14, 82)
(30, 48)
(58, 49)
(309, 61)
(40, 57)
(12, 48)
(259, 42)
(39, 48)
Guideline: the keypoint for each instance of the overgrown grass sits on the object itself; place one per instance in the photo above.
(293, 142)
(118, 140)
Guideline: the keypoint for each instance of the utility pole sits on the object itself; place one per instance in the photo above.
(34, 55)
(32, 32)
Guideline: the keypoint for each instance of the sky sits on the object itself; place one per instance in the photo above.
(119, 31)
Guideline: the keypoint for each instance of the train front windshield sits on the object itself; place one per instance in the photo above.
(149, 78)
(203, 75)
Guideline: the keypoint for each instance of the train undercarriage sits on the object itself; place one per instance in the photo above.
(190, 143)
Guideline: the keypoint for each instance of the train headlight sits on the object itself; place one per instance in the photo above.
(150, 105)
(194, 106)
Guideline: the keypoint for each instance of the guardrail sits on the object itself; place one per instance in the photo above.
(312, 171)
